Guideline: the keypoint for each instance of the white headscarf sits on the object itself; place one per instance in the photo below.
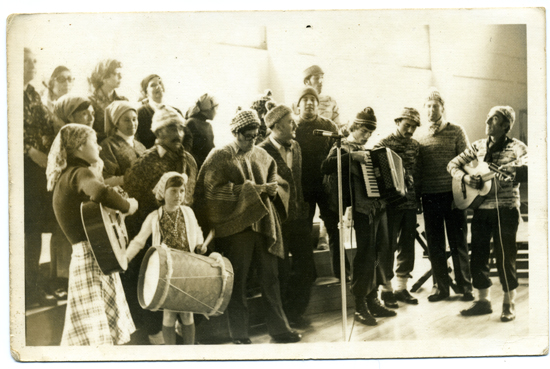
(160, 188)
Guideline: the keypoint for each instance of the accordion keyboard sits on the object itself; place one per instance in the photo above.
(370, 179)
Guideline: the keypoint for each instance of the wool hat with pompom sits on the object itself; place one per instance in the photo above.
(366, 118)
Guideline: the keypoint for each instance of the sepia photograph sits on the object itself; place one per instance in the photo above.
(277, 184)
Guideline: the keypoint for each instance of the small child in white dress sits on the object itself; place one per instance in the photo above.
(176, 226)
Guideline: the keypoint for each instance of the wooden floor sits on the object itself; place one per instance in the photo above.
(427, 320)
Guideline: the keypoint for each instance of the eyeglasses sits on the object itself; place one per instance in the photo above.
(249, 137)
(61, 79)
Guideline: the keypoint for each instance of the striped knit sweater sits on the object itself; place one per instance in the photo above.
(408, 150)
(436, 150)
(507, 192)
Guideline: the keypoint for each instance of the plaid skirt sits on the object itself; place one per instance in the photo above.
(97, 311)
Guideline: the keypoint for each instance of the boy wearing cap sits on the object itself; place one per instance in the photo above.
(402, 218)
(296, 279)
(498, 215)
(369, 218)
(328, 108)
(439, 145)
(314, 150)
(237, 189)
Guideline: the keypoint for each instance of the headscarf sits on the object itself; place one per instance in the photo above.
(160, 187)
(113, 112)
(66, 105)
(69, 138)
(145, 83)
(165, 116)
(204, 103)
(243, 119)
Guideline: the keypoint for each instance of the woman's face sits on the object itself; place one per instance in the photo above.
(174, 196)
(85, 117)
(114, 79)
(128, 122)
(155, 90)
(89, 151)
(62, 84)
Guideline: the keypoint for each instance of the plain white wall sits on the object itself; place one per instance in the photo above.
(236, 56)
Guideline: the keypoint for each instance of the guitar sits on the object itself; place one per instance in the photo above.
(106, 232)
(468, 197)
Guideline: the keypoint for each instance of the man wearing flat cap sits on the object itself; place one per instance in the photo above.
(498, 215)
(438, 145)
(313, 77)
(296, 277)
(402, 217)
(237, 191)
(166, 155)
(314, 150)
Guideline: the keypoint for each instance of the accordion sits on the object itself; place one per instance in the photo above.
(384, 176)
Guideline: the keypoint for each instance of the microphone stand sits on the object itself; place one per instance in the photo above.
(341, 237)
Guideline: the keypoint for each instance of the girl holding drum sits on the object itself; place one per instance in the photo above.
(175, 226)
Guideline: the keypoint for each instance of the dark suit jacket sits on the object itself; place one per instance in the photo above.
(297, 208)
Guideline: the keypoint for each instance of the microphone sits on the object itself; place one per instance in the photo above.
(320, 132)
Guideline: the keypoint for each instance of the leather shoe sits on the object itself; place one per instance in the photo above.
(389, 299)
(299, 322)
(508, 312)
(467, 296)
(438, 296)
(406, 297)
(365, 317)
(242, 341)
(377, 310)
(478, 308)
(288, 337)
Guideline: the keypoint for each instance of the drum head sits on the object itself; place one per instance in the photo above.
(151, 278)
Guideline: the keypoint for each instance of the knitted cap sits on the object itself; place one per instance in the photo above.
(506, 111)
(259, 105)
(244, 118)
(308, 91)
(275, 113)
(160, 187)
(164, 117)
(314, 69)
(366, 118)
(434, 95)
(409, 113)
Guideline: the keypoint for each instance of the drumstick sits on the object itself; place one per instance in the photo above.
(209, 239)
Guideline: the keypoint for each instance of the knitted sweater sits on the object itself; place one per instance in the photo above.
(314, 150)
(408, 150)
(118, 155)
(78, 184)
(436, 150)
(146, 171)
(226, 196)
(507, 193)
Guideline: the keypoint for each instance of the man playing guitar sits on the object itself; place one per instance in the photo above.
(497, 216)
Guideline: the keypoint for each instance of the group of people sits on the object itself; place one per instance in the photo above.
(259, 195)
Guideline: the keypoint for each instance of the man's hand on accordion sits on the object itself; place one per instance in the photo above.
(360, 156)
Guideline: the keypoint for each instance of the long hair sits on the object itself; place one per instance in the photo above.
(70, 137)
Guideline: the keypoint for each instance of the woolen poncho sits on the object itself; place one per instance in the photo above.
(227, 199)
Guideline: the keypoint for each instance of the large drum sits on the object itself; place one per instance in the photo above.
(182, 281)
